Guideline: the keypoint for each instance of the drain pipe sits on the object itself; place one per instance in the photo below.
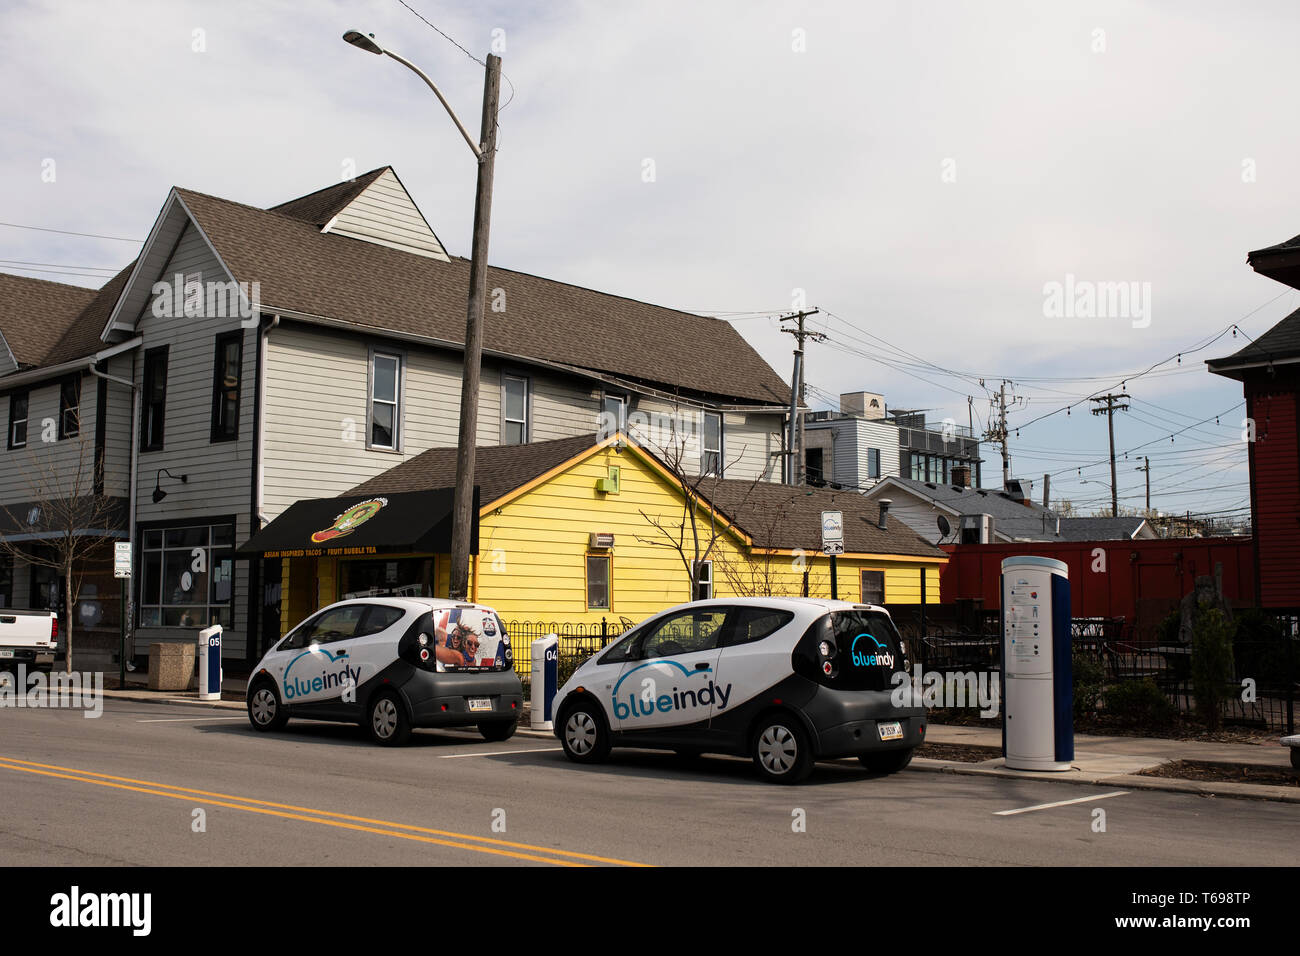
(260, 427)
(128, 610)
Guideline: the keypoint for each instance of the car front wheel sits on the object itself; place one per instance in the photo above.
(782, 750)
(265, 711)
(584, 735)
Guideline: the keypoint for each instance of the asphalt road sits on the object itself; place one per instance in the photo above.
(125, 788)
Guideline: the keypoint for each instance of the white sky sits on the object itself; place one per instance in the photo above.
(776, 170)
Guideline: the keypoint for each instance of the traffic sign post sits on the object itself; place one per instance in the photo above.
(122, 571)
(833, 544)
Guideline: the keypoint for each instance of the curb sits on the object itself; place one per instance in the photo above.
(1241, 791)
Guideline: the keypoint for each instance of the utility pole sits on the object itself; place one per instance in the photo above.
(795, 442)
(1113, 403)
(997, 432)
(485, 151)
(1146, 466)
(462, 521)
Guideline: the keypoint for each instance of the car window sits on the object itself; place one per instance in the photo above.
(336, 625)
(751, 624)
(379, 617)
(622, 649)
(683, 633)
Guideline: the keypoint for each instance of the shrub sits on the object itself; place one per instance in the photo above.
(1088, 676)
(1139, 703)
(1211, 662)
(1167, 629)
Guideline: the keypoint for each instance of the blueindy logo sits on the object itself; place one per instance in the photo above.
(870, 657)
(326, 680)
(648, 702)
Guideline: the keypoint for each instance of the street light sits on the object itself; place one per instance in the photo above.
(485, 153)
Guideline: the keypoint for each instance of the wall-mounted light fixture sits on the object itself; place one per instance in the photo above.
(158, 493)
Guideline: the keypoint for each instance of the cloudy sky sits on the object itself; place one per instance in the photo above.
(921, 172)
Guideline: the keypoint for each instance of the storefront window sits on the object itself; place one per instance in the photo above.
(187, 576)
(404, 577)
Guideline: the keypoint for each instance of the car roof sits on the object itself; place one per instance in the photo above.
(797, 604)
(412, 603)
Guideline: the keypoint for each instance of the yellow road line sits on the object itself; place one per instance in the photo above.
(308, 814)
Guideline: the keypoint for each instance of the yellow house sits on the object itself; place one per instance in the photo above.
(577, 531)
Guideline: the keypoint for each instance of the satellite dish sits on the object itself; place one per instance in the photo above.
(945, 528)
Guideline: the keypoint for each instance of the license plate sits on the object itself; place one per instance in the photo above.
(6, 653)
(890, 731)
(477, 704)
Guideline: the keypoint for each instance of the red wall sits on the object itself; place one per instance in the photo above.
(1140, 581)
(1275, 492)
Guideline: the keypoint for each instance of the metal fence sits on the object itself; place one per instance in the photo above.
(577, 642)
(1262, 690)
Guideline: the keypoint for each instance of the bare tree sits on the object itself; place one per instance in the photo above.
(66, 513)
(687, 532)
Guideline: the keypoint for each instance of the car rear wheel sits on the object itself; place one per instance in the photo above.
(265, 712)
(584, 736)
(782, 750)
(498, 729)
(887, 761)
(387, 721)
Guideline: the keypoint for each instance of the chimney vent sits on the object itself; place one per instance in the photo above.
(883, 523)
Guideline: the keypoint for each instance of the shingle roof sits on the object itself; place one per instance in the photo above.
(374, 287)
(83, 335)
(323, 205)
(784, 516)
(36, 315)
(1098, 529)
(1280, 342)
(498, 469)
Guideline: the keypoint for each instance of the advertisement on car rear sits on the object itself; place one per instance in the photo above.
(469, 639)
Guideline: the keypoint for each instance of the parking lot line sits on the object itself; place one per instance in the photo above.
(1058, 803)
(311, 815)
(174, 720)
(502, 753)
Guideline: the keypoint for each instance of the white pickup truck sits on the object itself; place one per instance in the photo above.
(27, 637)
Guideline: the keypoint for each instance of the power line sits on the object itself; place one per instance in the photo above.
(462, 50)
(65, 232)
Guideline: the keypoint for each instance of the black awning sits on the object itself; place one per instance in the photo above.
(357, 525)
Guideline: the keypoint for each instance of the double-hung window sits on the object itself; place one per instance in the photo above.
(613, 415)
(873, 462)
(226, 375)
(18, 419)
(711, 445)
(598, 567)
(70, 407)
(514, 410)
(153, 409)
(385, 400)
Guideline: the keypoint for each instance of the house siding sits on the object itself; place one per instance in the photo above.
(219, 473)
(384, 214)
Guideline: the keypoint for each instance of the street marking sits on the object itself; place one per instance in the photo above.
(1059, 803)
(323, 817)
(502, 753)
(174, 720)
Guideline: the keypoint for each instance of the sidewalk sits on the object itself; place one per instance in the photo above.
(1112, 761)
(1116, 761)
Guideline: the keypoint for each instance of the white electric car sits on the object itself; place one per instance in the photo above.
(785, 680)
(390, 664)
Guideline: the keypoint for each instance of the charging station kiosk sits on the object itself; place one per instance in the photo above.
(210, 663)
(1037, 688)
(545, 680)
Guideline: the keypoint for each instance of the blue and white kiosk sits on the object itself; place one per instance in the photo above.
(1037, 690)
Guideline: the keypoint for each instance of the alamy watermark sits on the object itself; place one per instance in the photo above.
(948, 689)
(1085, 299)
(190, 297)
(38, 690)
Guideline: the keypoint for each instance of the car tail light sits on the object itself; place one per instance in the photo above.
(54, 632)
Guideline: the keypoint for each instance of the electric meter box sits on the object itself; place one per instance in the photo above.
(1037, 689)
